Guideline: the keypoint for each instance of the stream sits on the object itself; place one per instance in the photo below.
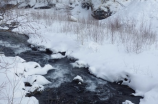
(63, 89)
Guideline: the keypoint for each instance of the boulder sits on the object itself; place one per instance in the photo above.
(101, 13)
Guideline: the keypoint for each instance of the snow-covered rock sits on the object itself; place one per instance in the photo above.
(37, 79)
(127, 102)
(57, 56)
(78, 78)
(79, 64)
(17, 72)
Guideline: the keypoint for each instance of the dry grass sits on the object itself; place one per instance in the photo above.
(115, 30)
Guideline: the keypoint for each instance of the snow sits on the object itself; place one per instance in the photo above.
(78, 78)
(37, 79)
(79, 64)
(14, 71)
(71, 18)
(57, 56)
(151, 96)
(32, 2)
(127, 102)
(106, 60)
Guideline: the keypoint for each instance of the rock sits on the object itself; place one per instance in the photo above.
(101, 13)
(10, 26)
(48, 51)
(36, 92)
(78, 79)
(28, 6)
(27, 84)
(25, 5)
(63, 53)
(43, 7)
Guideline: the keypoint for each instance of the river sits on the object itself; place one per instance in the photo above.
(63, 89)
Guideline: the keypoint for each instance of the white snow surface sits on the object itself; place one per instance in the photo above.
(14, 71)
(127, 102)
(78, 78)
(106, 60)
(79, 64)
(57, 56)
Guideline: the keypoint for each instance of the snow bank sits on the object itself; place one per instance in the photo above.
(14, 71)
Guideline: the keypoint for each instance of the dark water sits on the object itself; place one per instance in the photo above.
(63, 90)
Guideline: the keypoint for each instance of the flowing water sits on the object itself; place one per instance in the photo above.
(63, 89)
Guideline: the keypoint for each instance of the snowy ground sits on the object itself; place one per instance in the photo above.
(14, 71)
(108, 55)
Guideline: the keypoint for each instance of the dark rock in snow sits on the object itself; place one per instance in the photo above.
(63, 53)
(10, 26)
(28, 84)
(36, 92)
(43, 7)
(86, 5)
(101, 14)
(48, 51)
(28, 6)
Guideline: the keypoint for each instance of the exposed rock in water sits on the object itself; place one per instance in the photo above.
(11, 25)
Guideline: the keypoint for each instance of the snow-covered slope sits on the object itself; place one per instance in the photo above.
(141, 11)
